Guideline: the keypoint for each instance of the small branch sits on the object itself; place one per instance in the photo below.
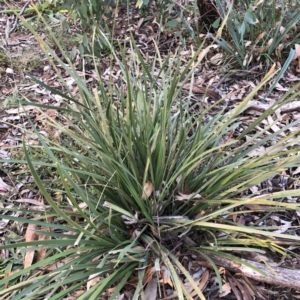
(256, 105)
(276, 276)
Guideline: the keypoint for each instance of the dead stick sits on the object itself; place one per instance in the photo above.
(277, 276)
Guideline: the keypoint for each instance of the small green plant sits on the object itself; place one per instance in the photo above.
(139, 173)
(87, 11)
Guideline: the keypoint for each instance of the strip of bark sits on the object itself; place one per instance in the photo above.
(277, 276)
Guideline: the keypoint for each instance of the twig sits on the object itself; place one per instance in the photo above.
(9, 30)
(289, 107)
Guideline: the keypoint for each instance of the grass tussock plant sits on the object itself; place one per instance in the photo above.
(146, 174)
(251, 32)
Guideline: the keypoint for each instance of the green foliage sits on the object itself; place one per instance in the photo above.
(138, 170)
(87, 11)
(131, 154)
(255, 31)
(46, 7)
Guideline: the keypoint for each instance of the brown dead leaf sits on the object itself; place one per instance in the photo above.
(93, 279)
(278, 50)
(166, 276)
(205, 51)
(148, 274)
(235, 290)
(260, 36)
(251, 286)
(148, 190)
(41, 253)
(28, 259)
(108, 293)
(241, 220)
(260, 50)
(204, 280)
(76, 295)
(245, 292)
(30, 236)
(225, 290)
(140, 22)
(270, 41)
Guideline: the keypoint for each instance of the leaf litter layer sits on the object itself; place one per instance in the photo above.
(144, 152)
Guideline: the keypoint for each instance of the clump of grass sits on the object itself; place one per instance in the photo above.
(139, 172)
(258, 32)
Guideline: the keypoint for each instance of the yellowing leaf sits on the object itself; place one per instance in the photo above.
(139, 3)
(270, 72)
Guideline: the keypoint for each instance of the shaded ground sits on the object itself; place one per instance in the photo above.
(214, 79)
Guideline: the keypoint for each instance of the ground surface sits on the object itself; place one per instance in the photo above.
(215, 78)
